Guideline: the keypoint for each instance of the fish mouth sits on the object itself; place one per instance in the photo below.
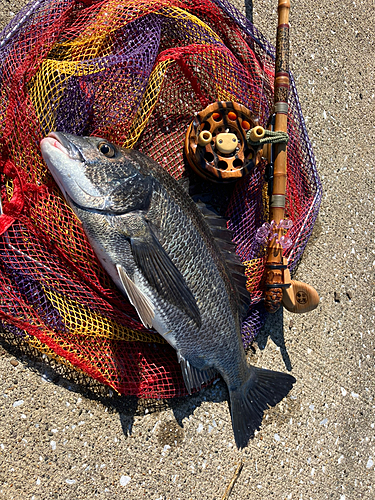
(59, 141)
(68, 167)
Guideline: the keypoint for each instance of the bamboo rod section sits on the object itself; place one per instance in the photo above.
(274, 275)
(295, 296)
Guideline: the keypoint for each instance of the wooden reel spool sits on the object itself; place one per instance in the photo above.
(215, 143)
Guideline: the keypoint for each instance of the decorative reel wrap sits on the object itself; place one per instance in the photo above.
(215, 143)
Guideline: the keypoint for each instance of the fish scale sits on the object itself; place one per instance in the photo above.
(199, 273)
(161, 252)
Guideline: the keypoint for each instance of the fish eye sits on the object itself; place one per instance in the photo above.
(106, 149)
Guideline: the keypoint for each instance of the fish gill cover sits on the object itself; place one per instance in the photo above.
(134, 72)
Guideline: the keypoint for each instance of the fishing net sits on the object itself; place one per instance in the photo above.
(134, 72)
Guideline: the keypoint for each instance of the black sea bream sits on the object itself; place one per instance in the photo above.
(163, 254)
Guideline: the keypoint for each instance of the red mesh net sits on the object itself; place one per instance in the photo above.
(134, 72)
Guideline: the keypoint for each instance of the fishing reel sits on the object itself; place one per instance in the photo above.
(215, 143)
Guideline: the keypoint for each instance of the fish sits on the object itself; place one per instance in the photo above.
(174, 260)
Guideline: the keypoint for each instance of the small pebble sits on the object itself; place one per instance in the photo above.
(349, 294)
(124, 480)
(337, 297)
(14, 362)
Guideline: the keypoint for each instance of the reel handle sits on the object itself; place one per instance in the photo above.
(299, 297)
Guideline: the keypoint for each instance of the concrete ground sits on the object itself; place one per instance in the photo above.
(57, 440)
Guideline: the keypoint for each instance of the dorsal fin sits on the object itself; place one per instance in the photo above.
(223, 237)
(234, 262)
(217, 222)
(222, 234)
(227, 246)
(184, 183)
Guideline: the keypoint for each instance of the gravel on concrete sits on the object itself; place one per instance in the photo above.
(60, 441)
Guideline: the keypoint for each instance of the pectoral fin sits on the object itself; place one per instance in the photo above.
(138, 299)
(155, 264)
(162, 274)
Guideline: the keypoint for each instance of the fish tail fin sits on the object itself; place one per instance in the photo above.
(262, 389)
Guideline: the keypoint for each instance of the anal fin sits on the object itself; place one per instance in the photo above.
(193, 377)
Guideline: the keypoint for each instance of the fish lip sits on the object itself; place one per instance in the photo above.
(61, 154)
(65, 146)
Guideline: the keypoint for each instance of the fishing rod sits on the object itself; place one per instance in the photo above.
(280, 289)
(224, 143)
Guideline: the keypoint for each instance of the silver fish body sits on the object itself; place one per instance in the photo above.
(160, 251)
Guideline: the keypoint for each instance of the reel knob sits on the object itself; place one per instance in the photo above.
(215, 143)
(257, 133)
(204, 138)
(226, 143)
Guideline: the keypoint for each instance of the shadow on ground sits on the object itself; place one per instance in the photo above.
(273, 329)
(127, 407)
(249, 9)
